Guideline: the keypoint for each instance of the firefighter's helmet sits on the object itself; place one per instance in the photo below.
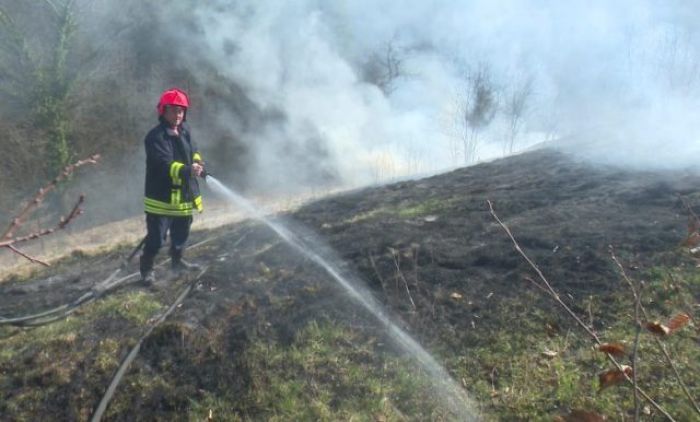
(173, 96)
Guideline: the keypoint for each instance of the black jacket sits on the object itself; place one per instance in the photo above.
(171, 187)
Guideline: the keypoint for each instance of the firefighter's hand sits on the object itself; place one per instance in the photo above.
(197, 169)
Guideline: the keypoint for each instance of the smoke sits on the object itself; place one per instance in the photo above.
(616, 82)
(292, 94)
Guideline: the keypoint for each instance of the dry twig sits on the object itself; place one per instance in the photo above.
(399, 275)
(554, 295)
(8, 241)
(376, 271)
(636, 293)
(660, 345)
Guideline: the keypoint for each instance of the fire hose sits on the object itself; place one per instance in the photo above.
(97, 291)
(62, 311)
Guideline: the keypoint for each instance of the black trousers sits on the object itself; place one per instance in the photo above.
(158, 227)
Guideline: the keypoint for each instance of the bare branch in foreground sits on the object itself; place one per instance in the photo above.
(29, 257)
(636, 293)
(41, 194)
(8, 241)
(62, 223)
(554, 295)
(660, 345)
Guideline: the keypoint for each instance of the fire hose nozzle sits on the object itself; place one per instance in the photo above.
(205, 172)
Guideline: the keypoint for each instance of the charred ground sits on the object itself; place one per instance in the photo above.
(267, 334)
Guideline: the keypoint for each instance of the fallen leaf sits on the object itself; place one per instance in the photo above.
(615, 349)
(614, 376)
(674, 324)
(679, 321)
(658, 328)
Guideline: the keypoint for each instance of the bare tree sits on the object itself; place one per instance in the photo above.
(476, 110)
(514, 109)
(384, 67)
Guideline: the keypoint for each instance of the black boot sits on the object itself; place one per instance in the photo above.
(148, 276)
(180, 265)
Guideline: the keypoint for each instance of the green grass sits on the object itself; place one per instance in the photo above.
(136, 306)
(404, 210)
(329, 372)
(509, 372)
(431, 206)
(44, 359)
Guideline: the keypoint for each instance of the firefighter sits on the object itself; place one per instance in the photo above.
(172, 192)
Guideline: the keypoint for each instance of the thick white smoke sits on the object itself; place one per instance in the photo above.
(617, 81)
(371, 90)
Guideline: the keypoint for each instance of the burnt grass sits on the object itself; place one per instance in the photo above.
(428, 250)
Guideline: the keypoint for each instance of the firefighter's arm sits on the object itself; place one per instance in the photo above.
(197, 167)
(160, 155)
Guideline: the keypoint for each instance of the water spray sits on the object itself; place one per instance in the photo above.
(455, 396)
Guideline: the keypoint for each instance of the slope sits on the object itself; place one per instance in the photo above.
(266, 335)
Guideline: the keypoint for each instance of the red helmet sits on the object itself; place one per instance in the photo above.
(173, 96)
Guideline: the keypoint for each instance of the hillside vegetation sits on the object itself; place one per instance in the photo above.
(267, 335)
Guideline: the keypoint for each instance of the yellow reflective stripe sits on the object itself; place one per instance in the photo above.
(169, 213)
(154, 206)
(173, 167)
(175, 172)
(196, 157)
(167, 206)
(161, 208)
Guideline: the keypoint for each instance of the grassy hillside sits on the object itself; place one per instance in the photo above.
(267, 335)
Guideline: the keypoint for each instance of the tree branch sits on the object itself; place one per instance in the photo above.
(30, 258)
(41, 194)
(8, 241)
(660, 344)
(552, 293)
(63, 222)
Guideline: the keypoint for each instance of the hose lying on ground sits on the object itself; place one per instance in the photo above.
(102, 406)
(97, 291)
